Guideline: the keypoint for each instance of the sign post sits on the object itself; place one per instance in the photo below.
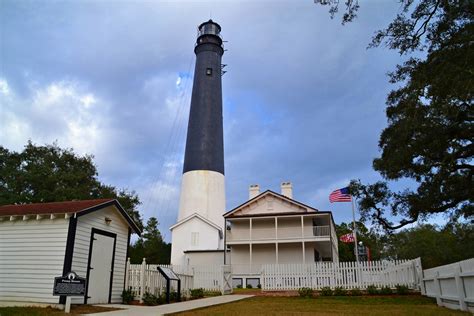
(69, 285)
(169, 275)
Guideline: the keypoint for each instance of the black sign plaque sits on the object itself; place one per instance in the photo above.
(69, 285)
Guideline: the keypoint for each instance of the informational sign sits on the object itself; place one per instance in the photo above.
(69, 285)
(168, 273)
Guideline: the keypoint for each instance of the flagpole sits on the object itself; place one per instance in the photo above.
(354, 230)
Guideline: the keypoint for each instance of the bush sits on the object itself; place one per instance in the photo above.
(386, 290)
(340, 291)
(356, 292)
(249, 286)
(372, 290)
(239, 286)
(402, 289)
(173, 296)
(259, 286)
(326, 291)
(305, 292)
(127, 296)
(150, 299)
(197, 293)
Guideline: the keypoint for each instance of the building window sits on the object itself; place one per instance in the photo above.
(194, 239)
(209, 71)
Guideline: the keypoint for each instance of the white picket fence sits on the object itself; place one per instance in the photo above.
(349, 275)
(145, 278)
(452, 285)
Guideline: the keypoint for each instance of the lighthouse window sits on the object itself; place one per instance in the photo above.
(209, 71)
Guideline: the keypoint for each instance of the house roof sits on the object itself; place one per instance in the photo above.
(80, 208)
(269, 192)
(196, 215)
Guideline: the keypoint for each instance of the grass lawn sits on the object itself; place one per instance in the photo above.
(359, 305)
(41, 311)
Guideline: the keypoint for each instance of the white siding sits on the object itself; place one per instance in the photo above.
(31, 255)
(82, 241)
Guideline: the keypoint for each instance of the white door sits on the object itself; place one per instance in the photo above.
(101, 267)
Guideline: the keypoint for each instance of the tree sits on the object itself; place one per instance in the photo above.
(52, 174)
(430, 115)
(150, 245)
(436, 246)
(369, 238)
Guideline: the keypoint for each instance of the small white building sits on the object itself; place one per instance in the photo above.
(39, 242)
(272, 228)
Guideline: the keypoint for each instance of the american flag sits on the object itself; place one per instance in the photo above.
(347, 238)
(340, 195)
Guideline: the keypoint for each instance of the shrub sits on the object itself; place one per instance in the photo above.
(356, 292)
(173, 296)
(372, 290)
(340, 291)
(305, 292)
(239, 286)
(386, 290)
(326, 291)
(259, 286)
(127, 296)
(402, 289)
(197, 293)
(150, 299)
(249, 286)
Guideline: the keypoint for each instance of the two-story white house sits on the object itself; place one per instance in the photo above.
(274, 228)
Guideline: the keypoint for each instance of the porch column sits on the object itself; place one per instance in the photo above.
(250, 230)
(276, 252)
(250, 256)
(276, 228)
(302, 227)
(304, 252)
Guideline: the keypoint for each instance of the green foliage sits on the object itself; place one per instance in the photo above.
(259, 286)
(428, 140)
(325, 291)
(340, 291)
(249, 286)
(436, 246)
(305, 292)
(127, 296)
(197, 293)
(239, 286)
(402, 289)
(372, 290)
(212, 293)
(355, 292)
(150, 299)
(52, 174)
(370, 238)
(386, 290)
(174, 296)
(150, 245)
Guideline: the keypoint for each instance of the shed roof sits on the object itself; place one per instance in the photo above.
(80, 207)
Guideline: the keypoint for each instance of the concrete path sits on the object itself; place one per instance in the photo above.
(131, 310)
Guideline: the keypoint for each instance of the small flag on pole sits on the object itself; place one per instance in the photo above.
(347, 238)
(340, 195)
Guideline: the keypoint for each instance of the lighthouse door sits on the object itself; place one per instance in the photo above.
(101, 267)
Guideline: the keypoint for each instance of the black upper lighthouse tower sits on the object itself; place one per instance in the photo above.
(200, 224)
(205, 143)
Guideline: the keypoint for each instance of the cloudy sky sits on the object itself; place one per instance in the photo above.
(304, 99)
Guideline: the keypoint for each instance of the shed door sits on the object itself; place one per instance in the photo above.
(100, 268)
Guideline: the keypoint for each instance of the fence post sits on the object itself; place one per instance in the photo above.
(437, 284)
(127, 274)
(460, 288)
(142, 280)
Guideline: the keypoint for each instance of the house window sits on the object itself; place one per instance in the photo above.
(209, 71)
(194, 239)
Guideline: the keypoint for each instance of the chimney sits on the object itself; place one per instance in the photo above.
(254, 190)
(287, 189)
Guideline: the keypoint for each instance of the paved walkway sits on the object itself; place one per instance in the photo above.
(131, 310)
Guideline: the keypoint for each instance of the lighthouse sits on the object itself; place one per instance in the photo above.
(197, 237)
